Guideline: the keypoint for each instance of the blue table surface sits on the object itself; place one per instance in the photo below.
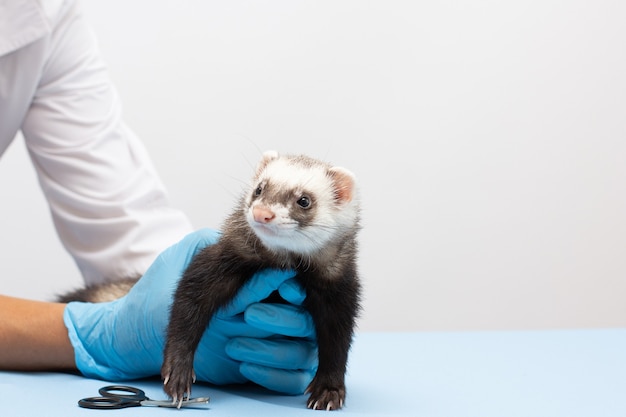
(501, 373)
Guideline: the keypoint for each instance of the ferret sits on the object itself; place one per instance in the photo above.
(300, 214)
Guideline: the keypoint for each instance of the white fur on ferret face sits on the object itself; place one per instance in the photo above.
(283, 181)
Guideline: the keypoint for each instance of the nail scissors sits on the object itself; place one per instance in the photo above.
(122, 396)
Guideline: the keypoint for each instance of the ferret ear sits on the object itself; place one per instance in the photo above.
(344, 183)
(267, 157)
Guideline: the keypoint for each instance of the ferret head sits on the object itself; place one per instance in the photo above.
(299, 204)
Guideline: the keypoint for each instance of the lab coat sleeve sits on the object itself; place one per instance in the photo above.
(109, 207)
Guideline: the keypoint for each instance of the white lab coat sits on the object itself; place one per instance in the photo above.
(108, 205)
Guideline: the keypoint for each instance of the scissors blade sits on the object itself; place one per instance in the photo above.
(191, 402)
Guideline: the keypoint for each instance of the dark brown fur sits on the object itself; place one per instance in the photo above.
(218, 272)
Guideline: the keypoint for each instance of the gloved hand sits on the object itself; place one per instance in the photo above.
(124, 339)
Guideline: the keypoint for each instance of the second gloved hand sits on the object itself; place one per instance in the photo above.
(272, 345)
(249, 340)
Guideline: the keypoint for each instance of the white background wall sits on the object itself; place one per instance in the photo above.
(488, 137)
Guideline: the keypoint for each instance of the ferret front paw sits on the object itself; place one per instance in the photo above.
(326, 398)
(177, 381)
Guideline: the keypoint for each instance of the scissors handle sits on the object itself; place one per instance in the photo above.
(114, 391)
(106, 403)
(113, 397)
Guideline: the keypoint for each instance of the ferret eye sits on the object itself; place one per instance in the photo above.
(258, 191)
(304, 202)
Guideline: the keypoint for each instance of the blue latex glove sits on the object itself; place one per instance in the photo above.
(124, 339)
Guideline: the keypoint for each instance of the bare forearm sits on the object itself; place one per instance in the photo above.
(33, 336)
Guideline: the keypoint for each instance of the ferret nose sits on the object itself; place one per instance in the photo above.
(262, 214)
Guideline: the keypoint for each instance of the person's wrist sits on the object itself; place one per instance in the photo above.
(86, 323)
